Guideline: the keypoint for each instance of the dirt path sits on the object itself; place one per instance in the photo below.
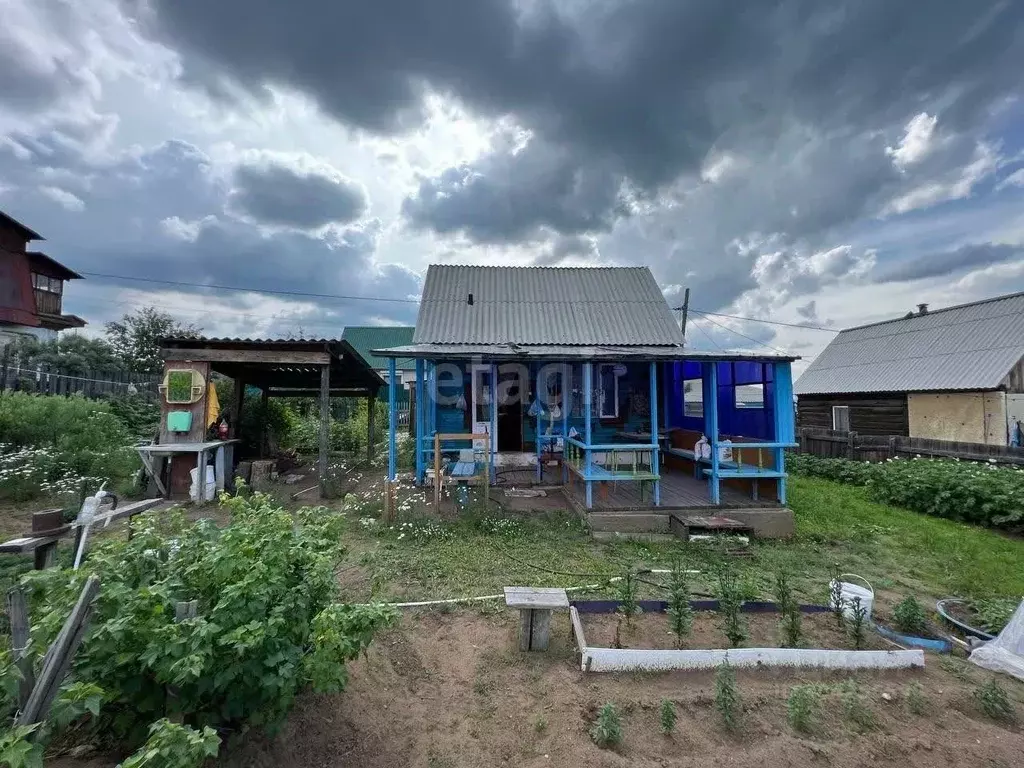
(450, 691)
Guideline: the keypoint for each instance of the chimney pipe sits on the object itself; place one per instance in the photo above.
(469, 300)
(922, 309)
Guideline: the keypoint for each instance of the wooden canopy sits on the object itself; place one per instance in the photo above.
(282, 367)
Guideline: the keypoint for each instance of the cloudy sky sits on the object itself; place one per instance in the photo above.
(821, 162)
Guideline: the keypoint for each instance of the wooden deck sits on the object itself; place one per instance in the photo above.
(679, 490)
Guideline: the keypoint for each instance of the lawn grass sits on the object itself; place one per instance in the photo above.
(898, 551)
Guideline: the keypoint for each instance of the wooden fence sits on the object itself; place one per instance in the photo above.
(47, 380)
(850, 445)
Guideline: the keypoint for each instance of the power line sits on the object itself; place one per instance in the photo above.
(761, 320)
(707, 336)
(749, 338)
(250, 290)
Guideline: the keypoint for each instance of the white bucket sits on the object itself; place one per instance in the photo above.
(211, 484)
(849, 591)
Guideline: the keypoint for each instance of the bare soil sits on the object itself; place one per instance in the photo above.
(651, 630)
(451, 690)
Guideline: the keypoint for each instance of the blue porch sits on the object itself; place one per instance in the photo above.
(586, 425)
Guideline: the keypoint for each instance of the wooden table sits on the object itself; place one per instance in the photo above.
(664, 440)
(148, 452)
(535, 605)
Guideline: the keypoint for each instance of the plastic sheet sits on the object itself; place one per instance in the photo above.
(1006, 652)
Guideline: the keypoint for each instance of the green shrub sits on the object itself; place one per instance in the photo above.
(668, 717)
(858, 623)
(803, 708)
(680, 614)
(730, 602)
(970, 492)
(727, 696)
(791, 620)
(139, 413)
(61, 446)
(909, 616)
(916, 701)
(266, 625)
(171, 745)
(994, 701)
(627, 591)
(855, 708)
(607, 729)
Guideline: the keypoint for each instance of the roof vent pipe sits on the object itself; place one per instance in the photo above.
(922, 309)
(469, 300)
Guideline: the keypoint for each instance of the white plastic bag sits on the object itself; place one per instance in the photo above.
(1006, 652)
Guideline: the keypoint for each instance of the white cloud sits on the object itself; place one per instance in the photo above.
(916, 143)
(955, 187)
(64, 198)
(1015, 179)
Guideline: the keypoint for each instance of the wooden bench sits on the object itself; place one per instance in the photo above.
(535, 605)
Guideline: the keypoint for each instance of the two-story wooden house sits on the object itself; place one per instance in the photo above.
(31, 287)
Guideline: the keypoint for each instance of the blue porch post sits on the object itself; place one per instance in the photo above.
(666, 386)
(566, 396)
(392, 420)
(587, 397)
(654, 433)
(709, 385)
(494, 422)
(536, 399)
(421, 418)
(785, 429)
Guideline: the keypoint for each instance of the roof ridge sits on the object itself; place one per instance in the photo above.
(936, 311)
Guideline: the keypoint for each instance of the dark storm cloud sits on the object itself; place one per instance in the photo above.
(652, 83)
(510, 196)
(277, 194)
(963, 259)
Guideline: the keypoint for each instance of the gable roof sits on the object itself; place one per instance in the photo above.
(966, 347)
(365, 338)
(24, 231)
(572, 306)
(50, 265)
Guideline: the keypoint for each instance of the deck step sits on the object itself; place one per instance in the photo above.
(629, 522)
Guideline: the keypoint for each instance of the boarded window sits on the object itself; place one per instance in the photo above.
(841, 418)
(693, 397)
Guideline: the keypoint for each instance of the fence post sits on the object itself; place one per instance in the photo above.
(3, 367)
(803, 440)
(850, 438)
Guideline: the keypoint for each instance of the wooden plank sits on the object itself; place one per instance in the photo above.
(147, 462)
(58, 659)
(46, 555)
(525, 629)
(26, 544)
(536, 597)
(17, 613)
(540, 630)
(258, 356)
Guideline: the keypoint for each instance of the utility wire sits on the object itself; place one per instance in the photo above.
(768, 322)
(250, 290)
(709, 337)
(743, 335)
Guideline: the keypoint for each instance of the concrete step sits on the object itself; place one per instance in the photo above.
(629, 522)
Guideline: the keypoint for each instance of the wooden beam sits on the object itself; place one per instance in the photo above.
(258, 356)
(58, 658)
(325, 425)
(17, 612)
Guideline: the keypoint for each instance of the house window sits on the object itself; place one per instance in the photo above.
(693, 397)
(48, 284)
(841, 418)
(606, 393)
(749, 396)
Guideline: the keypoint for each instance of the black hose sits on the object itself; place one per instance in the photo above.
(940, 608)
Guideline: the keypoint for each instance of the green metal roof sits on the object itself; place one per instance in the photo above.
(367, 337)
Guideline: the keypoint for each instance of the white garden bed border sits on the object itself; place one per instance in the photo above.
(635, 659)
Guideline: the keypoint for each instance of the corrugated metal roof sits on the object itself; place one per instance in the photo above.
(558, 352)
(972, 346)
(366, 338)
(544, 305)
